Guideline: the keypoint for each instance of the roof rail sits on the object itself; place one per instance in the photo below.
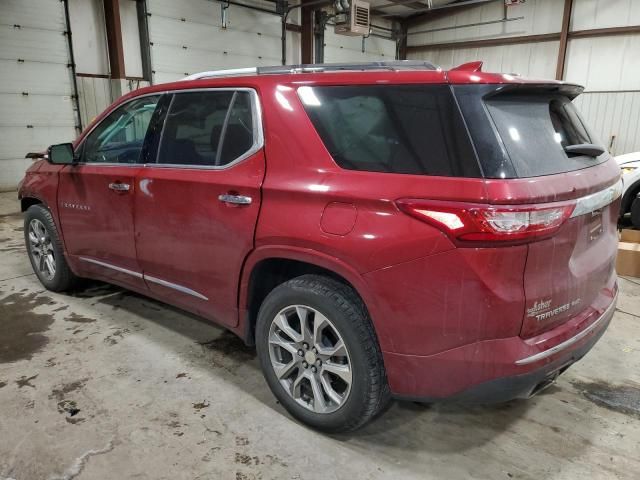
(318, 67)
(232, 72)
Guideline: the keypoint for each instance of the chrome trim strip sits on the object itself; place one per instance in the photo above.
(570, 341)
(174, 286)
(164, 283)
(112, 267)
(596, 201)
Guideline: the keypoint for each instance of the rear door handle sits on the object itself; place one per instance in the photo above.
(119, 187)
(235, 199)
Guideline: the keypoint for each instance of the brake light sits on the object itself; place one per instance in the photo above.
(464, 222)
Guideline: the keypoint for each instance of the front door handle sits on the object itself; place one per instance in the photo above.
(119, 187)
(235, 199)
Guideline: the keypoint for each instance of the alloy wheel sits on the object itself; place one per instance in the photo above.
(41, 249)
(310, 358)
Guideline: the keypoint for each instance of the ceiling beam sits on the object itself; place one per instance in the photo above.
(491, 42)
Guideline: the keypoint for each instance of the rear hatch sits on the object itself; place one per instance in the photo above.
(534, 143)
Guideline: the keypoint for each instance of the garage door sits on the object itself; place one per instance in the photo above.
(36, 87)
(187, 37)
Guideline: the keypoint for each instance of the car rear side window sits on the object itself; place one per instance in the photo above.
(211, 128)
(411, 129)
(522, 131)
(536, 128)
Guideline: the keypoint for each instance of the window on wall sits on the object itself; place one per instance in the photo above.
(120, 136)
(211, 128)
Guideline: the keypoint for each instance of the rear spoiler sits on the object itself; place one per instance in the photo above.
(570, 90)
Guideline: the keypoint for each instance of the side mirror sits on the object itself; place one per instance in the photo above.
(61, 154)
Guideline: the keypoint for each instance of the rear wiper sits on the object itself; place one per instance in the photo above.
(585, 149)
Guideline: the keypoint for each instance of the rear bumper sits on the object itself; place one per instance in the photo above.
(496, 370)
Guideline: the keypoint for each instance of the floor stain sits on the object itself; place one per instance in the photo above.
(619, 398)
(21, 330)
(230, 346)
(26, 381)
(66, 388)
(3, 384)
(74, 317)
(200, 405)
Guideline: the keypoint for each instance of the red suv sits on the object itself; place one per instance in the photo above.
(377, 231)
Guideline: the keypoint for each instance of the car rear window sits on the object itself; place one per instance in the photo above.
(410, 129)
(524, 134)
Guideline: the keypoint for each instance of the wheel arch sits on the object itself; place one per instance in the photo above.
(30, 200)
(266, 268)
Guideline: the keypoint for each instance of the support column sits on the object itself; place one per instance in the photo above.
(564, 39)
(115, 47)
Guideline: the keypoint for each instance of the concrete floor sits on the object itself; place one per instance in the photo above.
(108, 384)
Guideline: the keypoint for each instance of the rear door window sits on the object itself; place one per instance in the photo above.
(210, 128)
(411, 129)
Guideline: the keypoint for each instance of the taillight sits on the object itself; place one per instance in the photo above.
(464, 222)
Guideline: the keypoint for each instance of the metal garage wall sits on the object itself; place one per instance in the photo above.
(187, 37)
(613, 116)
(342, 48)
(609, 67)
(96, 90)
(36, 103)
(536, 60)
(529, 59)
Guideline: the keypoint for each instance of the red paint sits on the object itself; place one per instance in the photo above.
(447, 317)
(338, 218)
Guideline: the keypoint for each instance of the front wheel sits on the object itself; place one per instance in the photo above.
(45, 250)
(320, 355)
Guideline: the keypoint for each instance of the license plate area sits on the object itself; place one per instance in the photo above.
(595, 225)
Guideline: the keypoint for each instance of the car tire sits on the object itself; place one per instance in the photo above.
(342, 387)
(635, 213)
(45, 250)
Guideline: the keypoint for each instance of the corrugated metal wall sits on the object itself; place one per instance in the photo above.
(188, 37)
(609, 67)
(614, 118)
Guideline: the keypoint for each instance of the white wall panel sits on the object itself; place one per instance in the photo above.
(130, 38)
(36, 106)
(605, 63)
(536, 60)
(541, 16)
(342, 48)
(588, 14)
(613, 114)
(89, 36)
(188, 37)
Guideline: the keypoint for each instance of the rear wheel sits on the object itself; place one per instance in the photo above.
(45, 250)
(319, 354)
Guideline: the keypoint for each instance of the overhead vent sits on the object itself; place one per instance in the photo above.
(352, 17)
